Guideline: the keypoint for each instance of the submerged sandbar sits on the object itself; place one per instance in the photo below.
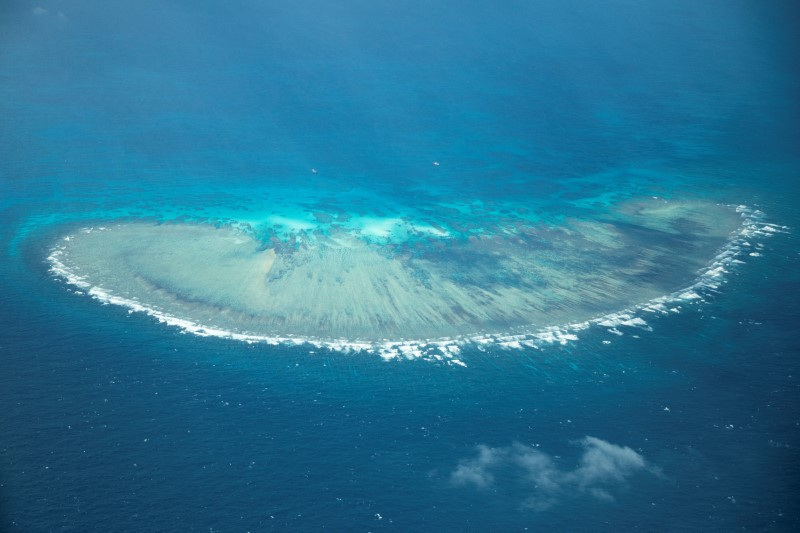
(339, 286)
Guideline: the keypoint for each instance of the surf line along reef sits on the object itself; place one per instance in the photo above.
(513, 285)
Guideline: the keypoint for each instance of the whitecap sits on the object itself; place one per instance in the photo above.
(447, 349)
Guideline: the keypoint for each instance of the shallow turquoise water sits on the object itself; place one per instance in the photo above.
(169, 111)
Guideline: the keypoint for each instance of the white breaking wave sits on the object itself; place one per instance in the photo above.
(448, 349)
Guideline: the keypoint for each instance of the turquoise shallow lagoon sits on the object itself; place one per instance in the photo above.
(399, 266)
(408, 287)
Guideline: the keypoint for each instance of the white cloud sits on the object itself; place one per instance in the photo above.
(602, 467)
(603, 462)
(476, 471)
(39, 11)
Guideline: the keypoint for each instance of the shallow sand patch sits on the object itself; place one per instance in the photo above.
(343, 287)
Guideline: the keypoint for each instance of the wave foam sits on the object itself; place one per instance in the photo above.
(447, 349)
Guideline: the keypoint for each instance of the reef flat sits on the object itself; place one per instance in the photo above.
(335, 284)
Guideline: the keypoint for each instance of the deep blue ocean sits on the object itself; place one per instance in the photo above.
(217, 111)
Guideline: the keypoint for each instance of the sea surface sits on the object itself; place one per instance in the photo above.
(421, 131)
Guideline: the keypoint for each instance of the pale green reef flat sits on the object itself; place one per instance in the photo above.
(327, 283)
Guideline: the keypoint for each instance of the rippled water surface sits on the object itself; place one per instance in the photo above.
(403, 266)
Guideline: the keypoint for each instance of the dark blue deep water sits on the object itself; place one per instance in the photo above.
(110, 421)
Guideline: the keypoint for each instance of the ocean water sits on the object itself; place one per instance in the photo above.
(583, 216)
